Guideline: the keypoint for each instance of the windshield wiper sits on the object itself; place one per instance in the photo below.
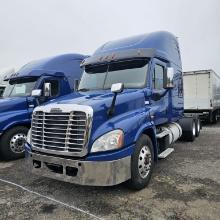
(83, 90)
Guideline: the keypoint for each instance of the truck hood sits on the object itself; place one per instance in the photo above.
(100, 101)
(12, 104)
(129, 99)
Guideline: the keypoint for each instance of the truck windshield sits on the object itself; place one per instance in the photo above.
(19, 88)
(132, 73)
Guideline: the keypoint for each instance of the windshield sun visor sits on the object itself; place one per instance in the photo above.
(119, 55)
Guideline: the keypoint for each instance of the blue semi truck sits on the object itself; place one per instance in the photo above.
(60, 73)
(127, 113)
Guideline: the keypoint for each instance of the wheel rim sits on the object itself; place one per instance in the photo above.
(144, 161)
(216, 117)
(198, 126)
(17, 143)
(194, 129)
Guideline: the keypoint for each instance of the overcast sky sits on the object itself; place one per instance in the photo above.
(33, 29)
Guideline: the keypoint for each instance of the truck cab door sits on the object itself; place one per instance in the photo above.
(160, 106)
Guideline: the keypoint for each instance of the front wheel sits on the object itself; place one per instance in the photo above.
(142, 163)
(12, 143)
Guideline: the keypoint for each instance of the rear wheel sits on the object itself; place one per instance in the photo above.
(12, 143)
(193, 133)
(214, 117)
(188, 126)
(142, 163)
(198, 127)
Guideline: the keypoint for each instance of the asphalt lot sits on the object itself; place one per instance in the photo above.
(186, 185)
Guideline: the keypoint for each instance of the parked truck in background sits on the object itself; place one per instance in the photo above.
(202, 94)
(127, 113)
(16, 106)
(3, 73)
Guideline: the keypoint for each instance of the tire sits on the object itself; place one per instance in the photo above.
(140, 177)
(188, 126)
(12, 143)
(198, 127)
(214, 117)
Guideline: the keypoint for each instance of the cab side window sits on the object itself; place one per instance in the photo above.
(158, 76)
(54, 87)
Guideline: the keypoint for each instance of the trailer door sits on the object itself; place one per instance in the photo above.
(197, 91)
(190, 84)
(203, 91)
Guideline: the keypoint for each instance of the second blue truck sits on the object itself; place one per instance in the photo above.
(60, 73)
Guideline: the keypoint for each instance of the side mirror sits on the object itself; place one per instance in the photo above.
(117, 87)
(168, 78)
(76, 84)
(47, 89)
(36, 93)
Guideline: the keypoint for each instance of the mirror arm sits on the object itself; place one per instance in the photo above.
(76, 84)
(164, 93)
(37, 101)
(112, 108)
(160, 95)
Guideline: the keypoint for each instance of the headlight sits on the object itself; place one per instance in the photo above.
(110, 141)
(29, 137)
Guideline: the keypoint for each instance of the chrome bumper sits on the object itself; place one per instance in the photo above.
(93, 173)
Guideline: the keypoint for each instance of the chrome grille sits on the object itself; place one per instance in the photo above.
(62, 133)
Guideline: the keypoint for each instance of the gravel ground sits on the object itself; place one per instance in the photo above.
(185, 186)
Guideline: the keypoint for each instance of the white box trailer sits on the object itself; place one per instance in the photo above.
(202, 94)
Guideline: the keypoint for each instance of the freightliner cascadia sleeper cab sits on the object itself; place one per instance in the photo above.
(126, 114)
(16, 105)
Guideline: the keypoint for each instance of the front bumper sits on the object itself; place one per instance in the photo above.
(92, 173)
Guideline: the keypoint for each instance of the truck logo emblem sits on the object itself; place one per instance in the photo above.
(56, 110)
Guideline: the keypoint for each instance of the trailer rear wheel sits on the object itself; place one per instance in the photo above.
(142, 162)
(214, 117)
(198, 127)
(188, 126)
(12, 143)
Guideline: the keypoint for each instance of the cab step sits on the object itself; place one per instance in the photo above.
(165, 153)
